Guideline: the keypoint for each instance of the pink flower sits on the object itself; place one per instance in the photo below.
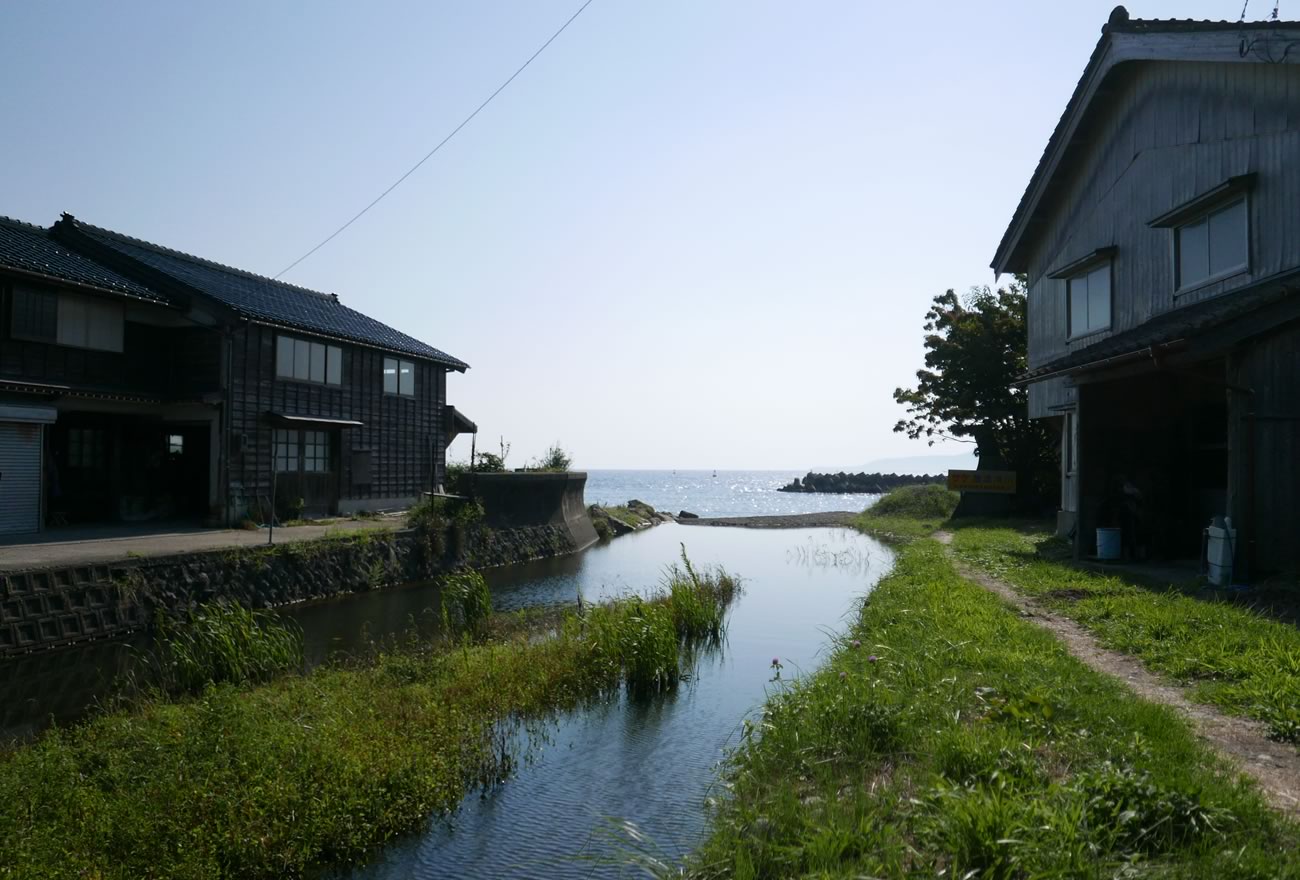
(856, 643)
(872, 659)
(776, 661)
(843, 675)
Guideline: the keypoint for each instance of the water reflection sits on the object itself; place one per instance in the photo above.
(626, 779)
(616, 772)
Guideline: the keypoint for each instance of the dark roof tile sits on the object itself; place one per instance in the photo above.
(266, 299)
(30, 248)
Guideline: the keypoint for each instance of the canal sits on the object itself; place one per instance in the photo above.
(631, 774)
(594, 783)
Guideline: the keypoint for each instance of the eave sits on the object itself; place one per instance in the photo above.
(1123, 43)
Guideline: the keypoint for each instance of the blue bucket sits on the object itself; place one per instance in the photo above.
(1109, 543)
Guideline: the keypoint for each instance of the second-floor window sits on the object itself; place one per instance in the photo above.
(67, 319)
(1089, 300)
(399, 377)
(308, 361)
(1212, 246)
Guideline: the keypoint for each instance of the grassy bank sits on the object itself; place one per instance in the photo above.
(1232, 656)
(948, 737)
(909, 512)
(611, 521)
(278, 778)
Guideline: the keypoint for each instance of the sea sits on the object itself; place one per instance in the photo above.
(715, 493)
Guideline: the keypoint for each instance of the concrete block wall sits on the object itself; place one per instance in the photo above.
(48, 608)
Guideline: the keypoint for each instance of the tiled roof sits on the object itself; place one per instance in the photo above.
(30, 248)
(265, 299)
(1182, 323)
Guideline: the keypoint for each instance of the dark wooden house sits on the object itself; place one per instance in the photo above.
(140, 383)
(1161, 240)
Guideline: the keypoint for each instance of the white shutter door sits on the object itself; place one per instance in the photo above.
(20, 477)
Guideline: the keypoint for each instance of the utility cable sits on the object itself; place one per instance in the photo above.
(440, 144)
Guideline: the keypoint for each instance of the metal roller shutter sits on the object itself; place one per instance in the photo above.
(20, 477)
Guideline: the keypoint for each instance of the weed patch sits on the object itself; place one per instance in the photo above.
(1234, 657)
(909, 512)
(264, 774)
(948, 737)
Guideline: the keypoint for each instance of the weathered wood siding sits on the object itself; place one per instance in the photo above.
(1165, 133)
(1271, 368)
(405, 436)
(170, 362)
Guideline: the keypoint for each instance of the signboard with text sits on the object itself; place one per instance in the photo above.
(992, 482)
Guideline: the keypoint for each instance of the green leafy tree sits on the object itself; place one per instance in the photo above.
(975, 347)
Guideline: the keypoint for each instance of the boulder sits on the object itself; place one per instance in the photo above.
(686, 514)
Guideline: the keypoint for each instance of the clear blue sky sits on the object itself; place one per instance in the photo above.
(692, 234)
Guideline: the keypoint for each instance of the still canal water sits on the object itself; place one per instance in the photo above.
(651, 763)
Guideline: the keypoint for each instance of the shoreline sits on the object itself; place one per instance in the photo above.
(827, 519)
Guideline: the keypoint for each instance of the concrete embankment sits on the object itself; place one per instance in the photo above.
(527, 516)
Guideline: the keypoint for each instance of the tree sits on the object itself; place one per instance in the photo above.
(975, 349)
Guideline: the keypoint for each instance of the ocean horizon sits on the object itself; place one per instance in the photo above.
(729, 493)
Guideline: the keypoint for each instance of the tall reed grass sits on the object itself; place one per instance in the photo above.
(286, 777)
(225, 643)
(645, 638)
(466, 604)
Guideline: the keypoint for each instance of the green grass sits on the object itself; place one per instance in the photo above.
(466, 604)
(1232, 656)
(224, 643)
(948, 737)
(910, 512)
(282, 778)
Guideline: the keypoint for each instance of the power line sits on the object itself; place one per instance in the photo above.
(441, 143)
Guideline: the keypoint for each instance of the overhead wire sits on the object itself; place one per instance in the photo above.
(466, 121)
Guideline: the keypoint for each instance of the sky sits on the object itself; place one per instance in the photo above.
(692, 234)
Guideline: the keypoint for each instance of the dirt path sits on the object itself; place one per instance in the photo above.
(1275, 766)
(791, 521)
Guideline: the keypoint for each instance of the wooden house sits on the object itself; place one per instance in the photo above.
(1160, 237)
(141, 383)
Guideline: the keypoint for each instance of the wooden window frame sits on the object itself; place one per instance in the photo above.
(1202, 207)
(397, 365)
(1081, 273)
(328, 350)
(16, 290)
(1182, 287)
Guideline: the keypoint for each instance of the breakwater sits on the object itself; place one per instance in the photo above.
(853, 484)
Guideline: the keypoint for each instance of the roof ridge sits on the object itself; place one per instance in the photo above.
(16, 222)
(202, 261)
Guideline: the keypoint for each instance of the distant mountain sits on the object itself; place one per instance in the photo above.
(921, 464)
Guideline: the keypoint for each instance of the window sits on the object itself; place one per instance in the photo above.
(286, 451)
(399, 377)
(90, 323)
(35, 315)
(315, 452)
(308, 361)
(175, 444)
(1212, 246)
(1089, 300)
(86, 448)
(68, 319)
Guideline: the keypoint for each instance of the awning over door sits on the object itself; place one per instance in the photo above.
(283, 420)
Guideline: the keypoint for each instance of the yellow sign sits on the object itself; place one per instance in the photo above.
(996, 482)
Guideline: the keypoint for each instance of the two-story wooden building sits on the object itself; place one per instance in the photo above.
(141, 383)
(1160, 235)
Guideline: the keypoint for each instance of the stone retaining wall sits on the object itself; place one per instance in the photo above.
(50, 607)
